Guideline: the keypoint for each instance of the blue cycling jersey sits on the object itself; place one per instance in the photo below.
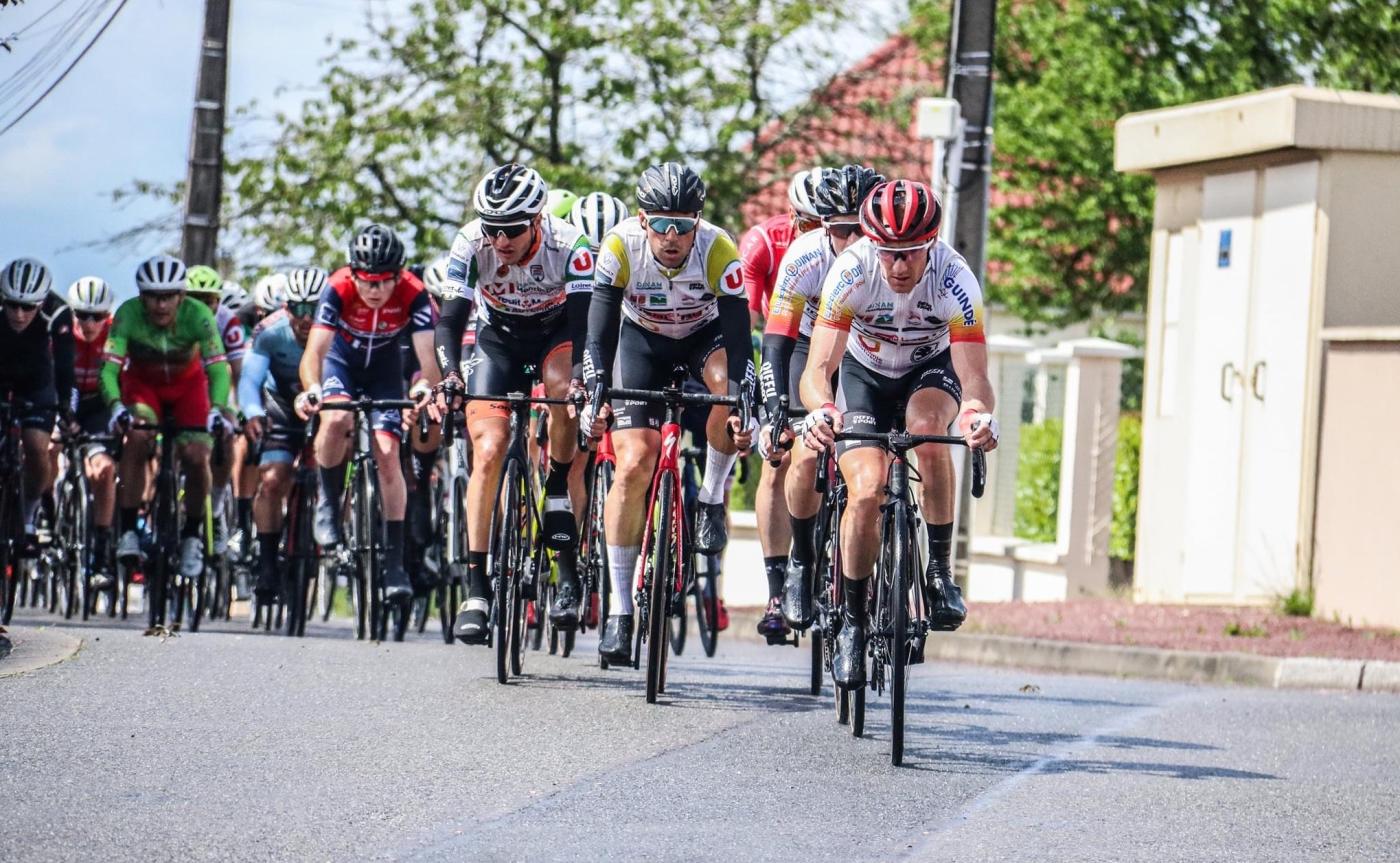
(271, 365)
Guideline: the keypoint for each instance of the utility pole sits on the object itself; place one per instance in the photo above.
(199, 243)
(969, 75)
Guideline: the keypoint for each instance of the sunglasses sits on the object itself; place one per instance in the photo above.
(164, 296)
(682, 225)
(899, 253)
(842, 230)
(16, 306)
(510, 231)
(301, 310)
(90, 317)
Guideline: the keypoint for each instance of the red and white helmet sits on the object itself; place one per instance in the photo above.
(901, 212)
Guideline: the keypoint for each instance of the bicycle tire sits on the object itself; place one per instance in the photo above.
(663, 554)
(897, 651)
(707, 612)
(72, 527)
(505, 563)
(596, 555)
(814, 683)
(857, 697)
(358, 570)
(678, 625)
(7, 568)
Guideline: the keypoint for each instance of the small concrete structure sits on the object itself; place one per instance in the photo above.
(1275, 230)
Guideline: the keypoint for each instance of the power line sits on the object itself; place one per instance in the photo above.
(64, 74)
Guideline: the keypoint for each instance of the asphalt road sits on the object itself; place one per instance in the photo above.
(228, 745)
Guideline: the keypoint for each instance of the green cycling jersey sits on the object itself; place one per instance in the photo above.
(164, 352)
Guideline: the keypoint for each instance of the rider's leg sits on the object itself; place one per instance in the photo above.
(711, 530)
(422, 459)
(245, 486)
(38, 472)
(625, 511)
(332, 449)
(560, 523)
(393, 496)
(101, 473)
(275, 482)
(194, 461)
(864, 469)
(220, 472)
(931, 411)
(135, 485)
(490, 431)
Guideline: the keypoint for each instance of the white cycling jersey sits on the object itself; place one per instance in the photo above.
(672, 303)
(232, 332)
(797, 293)
(892, 333)
(561, 264)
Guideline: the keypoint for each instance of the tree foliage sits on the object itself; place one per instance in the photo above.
(406, 119)
(1068, 236)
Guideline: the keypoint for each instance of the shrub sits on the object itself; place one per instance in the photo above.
(1038, 481)
(1122, 537)
(1299, 603)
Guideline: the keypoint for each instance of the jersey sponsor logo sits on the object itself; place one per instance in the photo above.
(882, 320)
(697, 286)
(868, 344)
(921, 353)
(964, 303)
(645, 286)
(733, 282)
(583, 261)
(537, 272)
(334, 382)
(923, 305)
(654, 299)
(768, 382)
(456, 270)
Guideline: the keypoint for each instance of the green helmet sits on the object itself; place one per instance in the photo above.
(203, 280)
(559, 202)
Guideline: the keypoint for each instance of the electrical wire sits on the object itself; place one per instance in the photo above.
(121, 4)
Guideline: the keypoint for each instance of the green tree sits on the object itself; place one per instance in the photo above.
(587, 91)
(1069, 236)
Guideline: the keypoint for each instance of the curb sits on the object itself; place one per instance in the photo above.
(1112, 660)
(35, 648)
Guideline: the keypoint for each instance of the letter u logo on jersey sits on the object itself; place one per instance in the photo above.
(733, 282)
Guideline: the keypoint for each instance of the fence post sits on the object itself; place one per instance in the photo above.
(1087, 459)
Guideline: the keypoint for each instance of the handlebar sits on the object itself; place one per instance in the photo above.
(901, 442)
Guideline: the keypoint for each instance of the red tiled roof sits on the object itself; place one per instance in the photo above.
(864, 114)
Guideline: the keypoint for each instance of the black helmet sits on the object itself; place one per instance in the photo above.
(842, 190)
(376, 249)
(670, 188)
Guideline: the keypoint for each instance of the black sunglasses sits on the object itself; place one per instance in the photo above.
(301, 310)
(510, 232)
(16, 306)
(843, 230)
(90, 317)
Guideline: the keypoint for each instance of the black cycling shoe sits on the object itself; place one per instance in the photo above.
(848, 665)
(616, 643)
(397, 587)
(772, 626)
(325, 526)
(797, 595)
(711, 533)
(564, 613)
(265, 591)
(471, 626)
(560, 530)
(946, 610)
(420, 518)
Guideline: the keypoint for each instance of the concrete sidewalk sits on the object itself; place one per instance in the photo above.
(1184, 666)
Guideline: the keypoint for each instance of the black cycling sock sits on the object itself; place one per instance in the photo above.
(267, 551)
(802, 531)
(101, 542)
(243, 511)
(854, 592)
(126, 519)
(332, 482)
(423, 470)
(940, 541)
(567, 562)
(393, 541)
(775, 568)
(477, 582)
(556, 484)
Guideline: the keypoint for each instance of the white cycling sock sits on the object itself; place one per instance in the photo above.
(622, 563)
(216, 498)
(717, 467)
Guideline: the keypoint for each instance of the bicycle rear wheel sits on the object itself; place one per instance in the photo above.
(355, 535)
(594, 553)
(661, 574)
(678, 625)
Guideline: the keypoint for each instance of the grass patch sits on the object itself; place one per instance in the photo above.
(1235, 629)
(1299, 603)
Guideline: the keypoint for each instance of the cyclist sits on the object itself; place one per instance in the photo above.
(762, 247)
(673, 281)
(174, 362)
(763, 251)
(529, 274)
(91, 300)
(206, 285)
(559, 202)
(352, 350)
(270, 383)
(786, 339)
(269, 295)
(36, 365)
(916, 312)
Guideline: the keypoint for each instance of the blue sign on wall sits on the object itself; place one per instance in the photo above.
(1223, 259)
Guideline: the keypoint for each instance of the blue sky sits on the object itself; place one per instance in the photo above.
(124, 113)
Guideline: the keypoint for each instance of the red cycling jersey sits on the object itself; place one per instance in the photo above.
(87, 360)
(761, 252)
(363, 331)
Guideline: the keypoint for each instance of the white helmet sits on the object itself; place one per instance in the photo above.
(270, 292)
(801, 192)
(90, 294)
(435, 276)
(161, 274)
(305, 284)
(234, 298)
(597, 213)
(508, 194)
(25, 280)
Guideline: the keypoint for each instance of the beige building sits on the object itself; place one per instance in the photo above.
(1272, 394)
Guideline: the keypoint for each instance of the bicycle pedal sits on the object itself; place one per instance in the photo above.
(779, 639)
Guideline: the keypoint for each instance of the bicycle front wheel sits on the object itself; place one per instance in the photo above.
(899, 637)
(665, 552)
(507, 560)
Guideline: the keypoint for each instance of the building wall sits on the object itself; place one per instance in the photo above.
(1356, 558)
(1358, 201)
